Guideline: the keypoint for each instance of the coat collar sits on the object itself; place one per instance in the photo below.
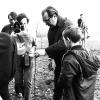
(77, 47)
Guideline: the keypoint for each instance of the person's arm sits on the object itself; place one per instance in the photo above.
(56, 49)
(53, 50)
(65, 80)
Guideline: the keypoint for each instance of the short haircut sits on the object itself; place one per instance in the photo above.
(81, 14)
(13, 15)
(50, 10)
(21, 16)
(73, 34)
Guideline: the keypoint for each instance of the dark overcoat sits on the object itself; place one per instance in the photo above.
(8, 52)
(56, 46)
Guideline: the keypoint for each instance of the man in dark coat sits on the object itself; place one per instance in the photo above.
(8, 53)
(9, 28)
(56, 47)
(79, 69)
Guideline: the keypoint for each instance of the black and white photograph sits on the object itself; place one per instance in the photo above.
(49, 50)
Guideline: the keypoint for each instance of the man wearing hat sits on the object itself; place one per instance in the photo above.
(56, 47)
(78, 70)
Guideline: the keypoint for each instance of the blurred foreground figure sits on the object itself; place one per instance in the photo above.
(79, 69)
(8, 52)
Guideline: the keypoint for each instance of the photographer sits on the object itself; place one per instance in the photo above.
(25, 53)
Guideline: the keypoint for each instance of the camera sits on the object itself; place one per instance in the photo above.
(18, 27)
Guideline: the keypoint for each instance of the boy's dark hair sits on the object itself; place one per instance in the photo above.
(73, 34)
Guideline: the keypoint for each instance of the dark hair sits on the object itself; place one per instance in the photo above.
(21, 16)
(50, 10)
(73, 34)
(18, 25)
(13, 15)
(81, 14)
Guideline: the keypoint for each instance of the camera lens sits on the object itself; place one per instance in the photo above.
(16, 27)
(17, 30)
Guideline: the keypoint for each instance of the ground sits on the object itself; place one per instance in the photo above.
(42, 91)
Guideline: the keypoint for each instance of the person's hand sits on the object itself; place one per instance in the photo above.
(31, 52)
(21, 49)
(36, 54)
(40, 52)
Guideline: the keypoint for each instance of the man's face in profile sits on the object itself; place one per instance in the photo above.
(50, 21)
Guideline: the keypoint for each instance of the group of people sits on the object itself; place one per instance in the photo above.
(18, 29)
(76, 68)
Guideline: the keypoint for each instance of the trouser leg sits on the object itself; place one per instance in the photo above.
(57, 90)
(19, 75)
(18, 81)
(28, 82)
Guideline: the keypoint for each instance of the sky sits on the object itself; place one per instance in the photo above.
(66, 8)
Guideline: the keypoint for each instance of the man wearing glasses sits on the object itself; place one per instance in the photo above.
(56, 47)
(10, 27)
